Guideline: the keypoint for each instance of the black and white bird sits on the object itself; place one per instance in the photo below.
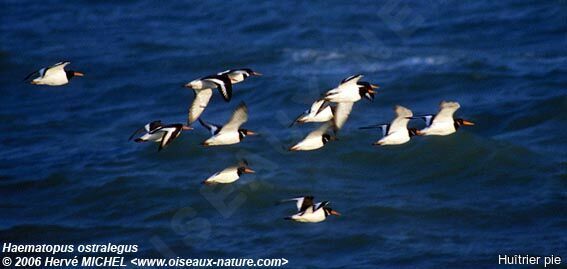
(314, 115)
(314, 140)
(222, 81)
(160, 133)
(307, 211)
(230, 174)
(397, 132)
(349, 91)
(230, 133)
(55, 75)
(443, 122)
(239, 75)
(200, 102)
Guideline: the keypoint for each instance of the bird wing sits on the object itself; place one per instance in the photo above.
(402, 119)
(302, 203)
(170, 132)
(352, 79)
(55, 68)
(239, 117)
(319, 205)
(446, 111)
(202, 98)
(153, 126)
(317, 133)
(342, 111)
(383, 127)
(37, 73)
(223, 83)
(149, 128)
(213, 128)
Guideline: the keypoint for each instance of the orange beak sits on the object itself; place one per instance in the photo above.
(374, 86)
(249, 171)
(335, 213)
(78, 74)
(256, 73)
(251, 133)
(187, 128)
(468, 123)
(371, 91)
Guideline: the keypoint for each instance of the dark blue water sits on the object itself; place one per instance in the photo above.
(69, 175)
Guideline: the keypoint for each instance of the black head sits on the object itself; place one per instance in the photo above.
(242, 133)
(250, 72)
(326, 138)
(329, 211)
(462, 122)
(70, 74)
(413, 132)
(366, 90)
(244, 170)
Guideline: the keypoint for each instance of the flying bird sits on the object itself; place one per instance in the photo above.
(54, 75)
(160, 133)
(349, 91)
(222, 81)
(397, 132)
(443, 122)
(314, 114)
(307, 211)
(314, 140)
(230, 174)
(230, 133)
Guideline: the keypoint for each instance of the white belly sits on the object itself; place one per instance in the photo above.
(316, 216)
(395, 138)
(223, 139)
(439, 128)
(54, 79)
(323, 116)
(226, 176)
(310, 144)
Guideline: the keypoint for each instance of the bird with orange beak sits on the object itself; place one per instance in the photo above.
(443, 122)
(230, 174)
(160, 133)
(230, 133)
(307, 211)
(55, 75)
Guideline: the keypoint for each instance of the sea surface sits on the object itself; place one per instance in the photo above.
(68, 173)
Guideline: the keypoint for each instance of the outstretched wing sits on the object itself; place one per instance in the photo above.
(342, 111)
(170, 132)
(202, 98)
(446, 111)
(319, 106)
(319, 205)
(223, 83)
(401, 121)
(149, 128)
(302, 203)
(213, 128)
(38, 73)
(55, 68)
(139, 130)
(352, 79)
(239, 117)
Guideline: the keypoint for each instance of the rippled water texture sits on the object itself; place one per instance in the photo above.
(68, 173)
